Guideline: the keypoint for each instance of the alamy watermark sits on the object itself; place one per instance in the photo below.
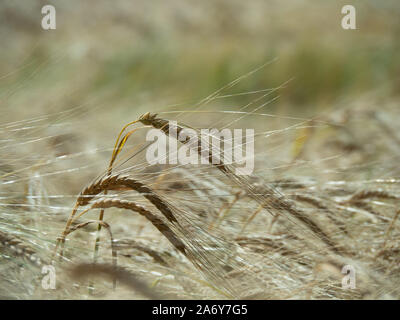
(349, 20)
(349, 280)
(203, 146)
(49, 18)
(49, 280)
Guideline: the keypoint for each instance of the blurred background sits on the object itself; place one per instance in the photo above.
(126, 55)
(66, 93)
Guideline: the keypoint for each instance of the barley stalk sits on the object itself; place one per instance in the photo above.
(116, 151)
(274, 200)
(368, 194)
(191, 248)
(116, 182)
(157, 222)
(19, 247)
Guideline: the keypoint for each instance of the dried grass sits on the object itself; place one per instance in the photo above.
(266, 196)
(211, 236)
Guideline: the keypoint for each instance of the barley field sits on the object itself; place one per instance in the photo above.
(85, 215)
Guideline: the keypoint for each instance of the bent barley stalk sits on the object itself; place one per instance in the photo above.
(198, 249)
(269, 198)
(198, 255)
(119, 182)
(114, 183)
(117, 149)
(157, 222)
(317, 203)
(191, 252)
(368, 194)
(202, 252)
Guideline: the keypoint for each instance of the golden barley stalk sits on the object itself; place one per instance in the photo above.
(112, 183)
(157, 222)
(273, 201)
